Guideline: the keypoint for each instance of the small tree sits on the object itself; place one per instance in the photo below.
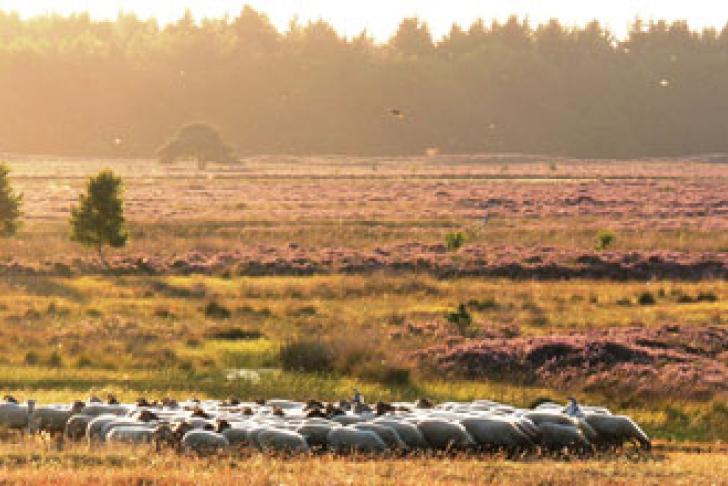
(454, 240)
(9, 205)
(199, 142)
(605, 239)
(98, 219)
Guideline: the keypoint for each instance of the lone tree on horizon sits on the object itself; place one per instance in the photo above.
(98, 219)
(200, 142)
(9, 205)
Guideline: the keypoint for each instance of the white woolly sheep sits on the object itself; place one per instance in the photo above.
(204, 442)
(556, 436)
(388, 435)
(282, 440)
(409, 433)
(127, 434)
(615, 430)
(496, 433)
(51, 419)
(441, 434)
(77, 425)
(15, 416)
(346, 439)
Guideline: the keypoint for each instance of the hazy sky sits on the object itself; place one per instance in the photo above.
(380, 17)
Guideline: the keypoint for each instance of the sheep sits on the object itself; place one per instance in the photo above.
(204, 442)
(130, 434)
(52, 420)
(236, 436)
(95, 428)
(346, 439)
(388, 435)
(282, 440)
(315, 433)
(347, 419)
(14, 416)
(441, 434)
(410, 434)
(96, 409)
(495, 433)
(77, 425)
(556, 437)
(615, 430)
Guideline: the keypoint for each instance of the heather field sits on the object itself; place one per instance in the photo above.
(228, 268)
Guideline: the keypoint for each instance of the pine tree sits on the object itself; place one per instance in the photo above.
(9, 205)
(98, 219)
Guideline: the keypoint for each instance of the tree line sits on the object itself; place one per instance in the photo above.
(76, 86)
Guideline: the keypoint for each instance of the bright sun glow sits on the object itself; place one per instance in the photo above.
(381, 17)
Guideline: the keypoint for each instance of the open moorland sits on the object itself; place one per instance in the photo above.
(302, 277)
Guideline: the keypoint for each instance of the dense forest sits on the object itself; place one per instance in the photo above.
(73, 85)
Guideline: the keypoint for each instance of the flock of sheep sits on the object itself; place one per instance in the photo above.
(296, 427)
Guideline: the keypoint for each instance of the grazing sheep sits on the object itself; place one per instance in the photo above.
(494, 433)
(555, 437)
(127, 434)
(14, 416)
(282, 440)
(52, 420)
(615, 430)
(388, 435)
(346, 439)
(96, 409)
(410, 434)
(77, 425)
(204, 442)
(444, 435)
(315, 433)
(236, 436)
(347, 419)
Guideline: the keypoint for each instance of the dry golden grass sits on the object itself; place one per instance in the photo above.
(26, 465)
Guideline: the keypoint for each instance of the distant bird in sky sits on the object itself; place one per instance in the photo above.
(396, 112)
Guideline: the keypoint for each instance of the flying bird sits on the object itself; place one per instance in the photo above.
(396, 112)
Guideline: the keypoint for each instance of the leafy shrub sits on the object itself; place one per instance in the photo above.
(454, 240)
(684, 299)
(213, 310)
(306, 355)
(483, 304)
(93, 312)
(646, 298)
(164, 313)
(461, 318)
(624, 301)
(83, 362)
(233, 333)
(605, 239)
(31, 358)
(706, 297)
(302, 311)
(55, 360)
(384, 373)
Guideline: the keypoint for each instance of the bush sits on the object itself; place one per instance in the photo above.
(306, 355)
(454, 240)
(461, 318)
(646, 298)
(233, 334)
(384, 373)
(605, 239)
(484, 304)
(31, 358)
(164, 313)
(213, 310)
(706, 297)
(55, 360)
